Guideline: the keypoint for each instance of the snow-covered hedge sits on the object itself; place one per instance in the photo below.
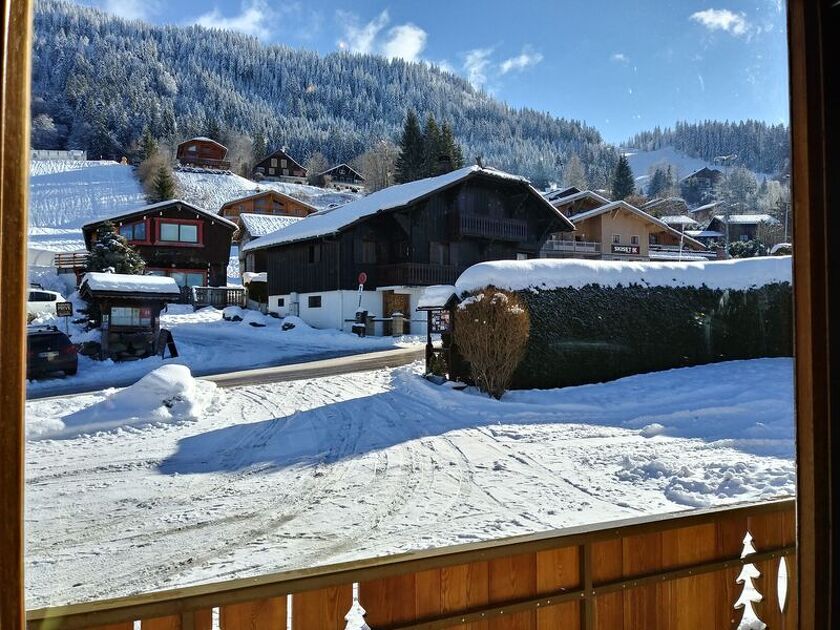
(593, 321)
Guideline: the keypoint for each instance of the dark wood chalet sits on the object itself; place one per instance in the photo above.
(280, 165)
(417, 234)
(203, 153)
(342, 175)
(176, 239)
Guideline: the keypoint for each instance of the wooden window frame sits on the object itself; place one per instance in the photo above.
(813, 27)
(146, 222)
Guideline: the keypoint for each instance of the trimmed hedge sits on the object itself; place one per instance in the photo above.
(596, 334)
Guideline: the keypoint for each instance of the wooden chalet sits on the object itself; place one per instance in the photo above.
(281, 166)
(266, 202)
(617, 230)
(398, 240)
(343, 177)
(128, 311)
(203, 153)
(743, 227)
(705, 178)
(252, 227)
(176, 239)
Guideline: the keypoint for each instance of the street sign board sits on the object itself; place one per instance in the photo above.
(64, 309)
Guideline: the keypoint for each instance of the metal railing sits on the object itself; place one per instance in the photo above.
(572, 246)
(218, 297)
(675, 250)
(675, 570)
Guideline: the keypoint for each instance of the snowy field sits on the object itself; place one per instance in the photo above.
(204, 484)
(208, 344)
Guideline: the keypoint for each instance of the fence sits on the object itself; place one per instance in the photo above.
(670, 571)
(218, 297)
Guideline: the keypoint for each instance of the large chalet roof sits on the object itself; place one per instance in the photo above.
(262, 193)
(347, 166)
(283, 151)
(704, 172)
(203, 139)
(262, 224)
(623, 205)
(334, 220)
(563, 200)
(159, 206)
(746, 219)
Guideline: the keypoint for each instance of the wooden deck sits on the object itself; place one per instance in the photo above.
(671, 571)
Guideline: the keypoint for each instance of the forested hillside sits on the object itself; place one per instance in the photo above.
(98, 81)
(758, 146)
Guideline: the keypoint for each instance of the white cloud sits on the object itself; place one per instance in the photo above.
(523, 60)
(476, 63)
(132, 9)
(361, 39)
(406, 41)
(619, 57)
(722, 20)
(254, 19)
(702, 82)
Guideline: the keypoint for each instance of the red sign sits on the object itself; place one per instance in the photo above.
(362, 278)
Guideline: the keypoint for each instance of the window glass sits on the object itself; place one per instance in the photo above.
(195, 279)
(314, 301)
(634, 240)
(169, 232)
(189, 233)
(140, 231)
(130, 316)
(616, 238)
(127, 232)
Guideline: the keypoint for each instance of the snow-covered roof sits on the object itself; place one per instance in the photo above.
(157, 206)
(678, 219)
(333, 220)
(557, 201)
(557, 193)
(552, 273)
(249, 276)
(704, 233)
(262, 224)
(623, 205)
(203, 139)
(127, 283)
(747, 219)
(261, 192)
(708, 206)
(345, 165)
(711, 172)
(435, 297)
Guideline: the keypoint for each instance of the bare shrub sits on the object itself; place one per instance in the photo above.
(491, 331)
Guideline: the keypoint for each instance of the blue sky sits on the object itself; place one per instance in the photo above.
(621, 66)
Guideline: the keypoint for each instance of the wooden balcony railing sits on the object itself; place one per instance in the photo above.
(572, 247)
(416, 274)
(71, 261)
(488, 227)
(670, 571)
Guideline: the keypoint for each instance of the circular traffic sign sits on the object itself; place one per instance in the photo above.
(362, 278)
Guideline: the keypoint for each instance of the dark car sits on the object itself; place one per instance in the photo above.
(49, 350)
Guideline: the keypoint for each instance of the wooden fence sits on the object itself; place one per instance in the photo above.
(672, 571)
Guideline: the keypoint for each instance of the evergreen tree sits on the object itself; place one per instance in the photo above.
(150, 145)
(451, 147)
(259, 149)
(574, 174)
(622, 183)
(214, 130)
(411, 159)
(433, 149)
(163, 186)
(112, 251)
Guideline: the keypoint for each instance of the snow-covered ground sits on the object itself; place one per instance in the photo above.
(297, 474)
(208, 344)
(643, 161)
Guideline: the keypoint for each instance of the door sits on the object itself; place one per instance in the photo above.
(396, 303)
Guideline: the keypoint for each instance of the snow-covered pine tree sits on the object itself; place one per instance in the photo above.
(574, 174)
(112, 252)
(451, 147)
(749, 593)
(433, 148)
(163, 185)
(411, 159)
(622, 184)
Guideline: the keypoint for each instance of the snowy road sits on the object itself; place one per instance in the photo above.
(309, 472)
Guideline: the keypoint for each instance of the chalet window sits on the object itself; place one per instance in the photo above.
(283, 164)
(281, 302)
(315, 253)
(179, 232)
(616, 239)
(134, 231)
(273, 162)
(368, 251)
(634, 240)
(285, 171)
(271, 171)
(314, 301)
(131, 316)
(439, 253)
(187, 278)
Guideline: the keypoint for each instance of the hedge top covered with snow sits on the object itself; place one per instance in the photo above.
(127, 283)
(552, 273)
(333, 220)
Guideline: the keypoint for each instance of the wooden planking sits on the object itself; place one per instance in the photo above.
(128, 625)
(322, 609)
(463, 587)
(511, 578)
(791, 601)
(388, 601)
(201, 619)
(170, 622)
(265, 614)
(607, 566)
(767, 532)
(730, 542)
(643, 605)
(558, 569)
(692, 601)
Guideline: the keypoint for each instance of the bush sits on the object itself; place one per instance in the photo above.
(491, 331)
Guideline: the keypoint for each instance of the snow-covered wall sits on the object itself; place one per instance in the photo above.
(553, 273)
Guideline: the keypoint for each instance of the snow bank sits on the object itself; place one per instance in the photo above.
(168, 395)
(97, 281)
(548, 273)
(435, 296)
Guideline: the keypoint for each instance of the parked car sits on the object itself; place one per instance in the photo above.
(49, 350)
(42, 301)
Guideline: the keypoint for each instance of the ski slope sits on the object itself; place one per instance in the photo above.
(292, 475)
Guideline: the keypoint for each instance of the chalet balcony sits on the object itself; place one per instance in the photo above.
(663, 571)
(555, 247)
(416, 274)
(489, 227)
(201, 162)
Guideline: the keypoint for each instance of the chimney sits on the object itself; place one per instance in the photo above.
(478, 161)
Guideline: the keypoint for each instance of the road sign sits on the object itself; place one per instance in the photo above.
(362, 278)
(64, 309)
